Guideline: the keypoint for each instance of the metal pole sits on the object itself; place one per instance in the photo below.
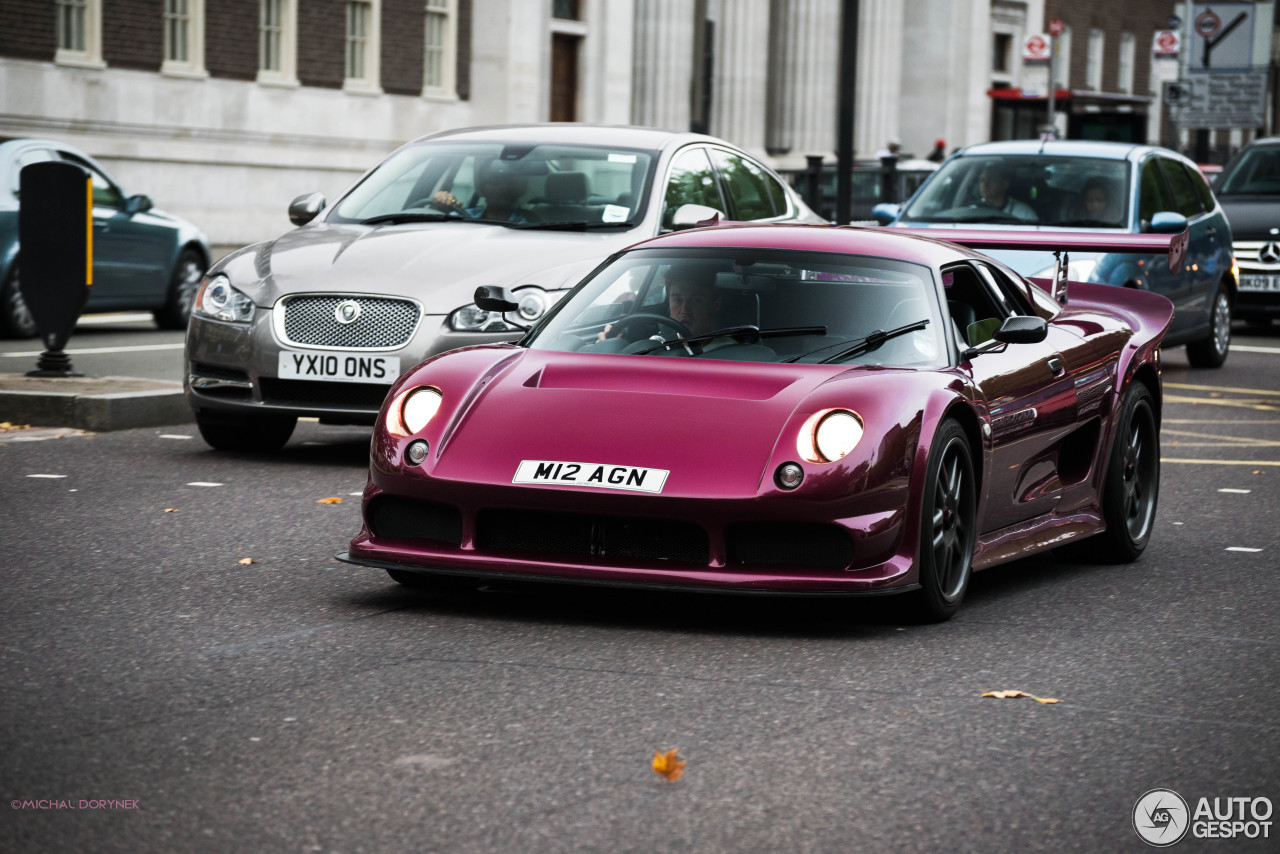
(844, 121)
(1053, 84)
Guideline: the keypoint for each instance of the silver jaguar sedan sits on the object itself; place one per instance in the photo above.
(321, 320)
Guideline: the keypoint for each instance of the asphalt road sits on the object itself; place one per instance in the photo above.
(299, 704)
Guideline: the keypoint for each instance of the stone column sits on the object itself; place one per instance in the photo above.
(881, 52)
(804, 84)
(662, 64)
(740, 89)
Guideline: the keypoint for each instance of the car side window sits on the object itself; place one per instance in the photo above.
(105, 193)
(748, 188)
(1202, 188)
(1012, 293)
(692, 182)
(975, 310)
(1185, 198)
(1152, 195)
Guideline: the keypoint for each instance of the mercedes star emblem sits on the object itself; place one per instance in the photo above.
(348, 311)
(1269, 253)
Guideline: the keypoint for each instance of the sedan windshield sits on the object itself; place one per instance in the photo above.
(515, 185)
(1256, 173)
(752, 305)
(1063, 192)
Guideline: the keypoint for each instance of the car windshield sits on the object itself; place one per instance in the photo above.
(1064, 192)
(516, 185)
(752, 305)
(1255, 173)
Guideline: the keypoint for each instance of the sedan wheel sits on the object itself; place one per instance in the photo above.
(948, 525)
(15, 315)
(1211, 352)
(183, 287)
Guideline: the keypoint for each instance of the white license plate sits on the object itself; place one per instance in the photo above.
(600, 475)
(1260, 283)
(339, 367)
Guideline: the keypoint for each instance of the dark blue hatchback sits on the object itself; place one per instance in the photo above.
(1067, 185)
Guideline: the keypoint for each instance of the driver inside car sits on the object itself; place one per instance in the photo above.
(692, 302)
(993, 183)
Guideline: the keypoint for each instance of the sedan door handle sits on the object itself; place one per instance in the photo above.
(1055, 365)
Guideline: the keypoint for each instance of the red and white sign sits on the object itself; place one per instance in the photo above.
(1036, 48)
(1166, 43)
(1056, 27)
(1208, 23)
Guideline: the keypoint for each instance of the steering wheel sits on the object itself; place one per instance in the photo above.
(622, 324)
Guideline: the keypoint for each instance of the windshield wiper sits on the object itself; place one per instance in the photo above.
(404, 216)
(571, 225)
(860, 345)
(750, 334)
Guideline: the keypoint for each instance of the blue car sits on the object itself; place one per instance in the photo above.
(143, 258)
(1068, 185)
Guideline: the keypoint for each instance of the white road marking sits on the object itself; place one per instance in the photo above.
(1244, 348)
(203, 483)
(121, 317)
(89, 351)
(1243, 549)
(173, 436)
(1237, 491)
(51, 476)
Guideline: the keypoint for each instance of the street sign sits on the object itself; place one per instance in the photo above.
(1222, 100)
(1166, 43)
(1177, 94)
(1056, 27)
(1224, 37)
(1036, 48)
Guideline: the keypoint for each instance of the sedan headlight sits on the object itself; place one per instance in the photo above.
(532, 302)
(829, 435)
(412, 410)
(219, 300)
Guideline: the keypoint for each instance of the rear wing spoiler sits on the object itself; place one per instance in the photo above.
(1175, 245)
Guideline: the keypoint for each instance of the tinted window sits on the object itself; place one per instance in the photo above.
(1201, 184)
(748, 187)
(105, 192)
(1255, 172)
(1185, 198)
(692, 182)
(1153, 197)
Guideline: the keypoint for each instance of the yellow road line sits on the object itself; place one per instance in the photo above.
(1222, 462)
(1262, 391)
(1241, 441)
(1224, 401)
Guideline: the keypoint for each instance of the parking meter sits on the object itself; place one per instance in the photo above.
(55, 236)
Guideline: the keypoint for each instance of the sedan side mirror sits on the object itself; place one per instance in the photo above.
(885, 212)
(692, 216)
(1168, 222)
(1021, 329)
(306, 208)
(137, 204)
(495, 298)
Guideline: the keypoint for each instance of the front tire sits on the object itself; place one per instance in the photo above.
(16, 320)
(246, 433)
(184, 284)
(1212, 351)
(948, 525)
(1132, 489)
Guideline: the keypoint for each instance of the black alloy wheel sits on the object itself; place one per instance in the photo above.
(1132, 489)
(948, 524)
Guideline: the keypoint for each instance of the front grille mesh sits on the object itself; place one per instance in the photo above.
(606, 538)
(309, 320)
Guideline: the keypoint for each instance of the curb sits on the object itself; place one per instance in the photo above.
(96, 410)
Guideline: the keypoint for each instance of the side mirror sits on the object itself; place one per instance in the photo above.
(1022, 329)
(1168, 222)
(692, 216)
(886, 212)
(137, 204)
(306, 208)
(495, 298)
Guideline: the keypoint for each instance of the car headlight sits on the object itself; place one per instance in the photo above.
(219, 300)
(829, 435)
(412, 410)
(532, 302)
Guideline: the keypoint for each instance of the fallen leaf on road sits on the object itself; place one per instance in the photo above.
(1010, 695)
(7, 427)
(172, 510)
(667, 765)
(245, 561)
(334, 500)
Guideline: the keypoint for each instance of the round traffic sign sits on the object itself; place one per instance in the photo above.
(1208, 23)
(1056, 27)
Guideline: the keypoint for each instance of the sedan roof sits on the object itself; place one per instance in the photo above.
(571, 133)
(1059, 148)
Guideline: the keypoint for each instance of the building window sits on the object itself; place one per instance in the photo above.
(1000, 52)
(440, 59)
(277, 42)
(79, 24)
(184, 37)
(363, 22)
(566, 10)
(1124, 74)
(1093, 70)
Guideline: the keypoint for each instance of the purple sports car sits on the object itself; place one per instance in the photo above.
(783, 409)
